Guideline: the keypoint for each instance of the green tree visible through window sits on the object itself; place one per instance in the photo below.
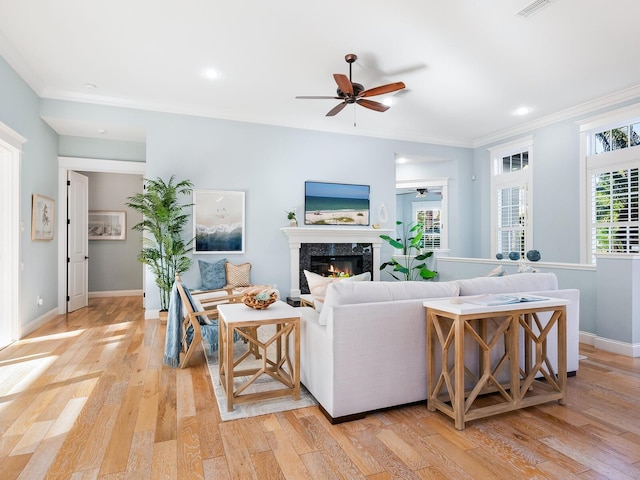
(616, 211)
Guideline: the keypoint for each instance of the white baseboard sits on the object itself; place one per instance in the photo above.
(587, 338)
(116, 293)
(37, 323)
(608, 345)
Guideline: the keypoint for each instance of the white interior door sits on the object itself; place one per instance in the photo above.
(9, 240)
(78, 242)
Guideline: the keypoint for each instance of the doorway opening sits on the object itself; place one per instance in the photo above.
(66, 164)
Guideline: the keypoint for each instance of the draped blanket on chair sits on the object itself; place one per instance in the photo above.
(171, 356)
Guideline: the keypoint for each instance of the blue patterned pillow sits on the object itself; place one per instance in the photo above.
(214, 275)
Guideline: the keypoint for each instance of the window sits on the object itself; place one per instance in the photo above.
(611, 173)
(430, 220)
(614, 211)
(511, 198)
(617, 138)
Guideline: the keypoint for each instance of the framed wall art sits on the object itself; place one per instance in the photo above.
(336, 204)
(219, 221)
(42, 217)
(107, 225)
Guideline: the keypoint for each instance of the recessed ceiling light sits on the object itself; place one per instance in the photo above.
(210, 73)
(522, 111)
(90, 86)
(401, 160)
(389, 101)
(102, 131)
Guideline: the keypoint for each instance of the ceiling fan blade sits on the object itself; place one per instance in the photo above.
(337, 109)
(318, 96)
(377, 106)
(344, 84)
(391, 87)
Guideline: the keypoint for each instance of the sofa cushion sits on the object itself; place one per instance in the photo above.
(318, 285)
(521, 282)
(214, 275)
(346, 293)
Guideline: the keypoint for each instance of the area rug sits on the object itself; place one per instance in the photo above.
(264, 383)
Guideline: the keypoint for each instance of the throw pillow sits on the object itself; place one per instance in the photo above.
(214, 275)
(238, 275)
(318, 285)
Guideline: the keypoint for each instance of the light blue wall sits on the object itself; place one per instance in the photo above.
(556, 194)
(456, 164)
(84, 147)
(20, 110)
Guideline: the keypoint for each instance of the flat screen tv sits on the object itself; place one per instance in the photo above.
(336, 204)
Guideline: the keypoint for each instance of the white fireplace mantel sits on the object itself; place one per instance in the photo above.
(299, 235)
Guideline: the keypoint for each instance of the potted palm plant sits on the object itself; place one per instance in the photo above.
(410, 265)
(163, 220)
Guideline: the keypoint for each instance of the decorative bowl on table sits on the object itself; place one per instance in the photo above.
(260, 300)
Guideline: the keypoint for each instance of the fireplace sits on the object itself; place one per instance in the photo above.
(333, 240)
(331, 259)
(336, 265)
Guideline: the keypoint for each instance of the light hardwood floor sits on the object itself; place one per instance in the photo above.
(87, 397)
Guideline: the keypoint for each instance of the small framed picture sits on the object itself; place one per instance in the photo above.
(107, 225)
(42, 217)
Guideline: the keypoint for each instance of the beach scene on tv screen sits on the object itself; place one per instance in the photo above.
(336, 204)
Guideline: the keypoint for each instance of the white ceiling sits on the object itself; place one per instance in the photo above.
(468, 64)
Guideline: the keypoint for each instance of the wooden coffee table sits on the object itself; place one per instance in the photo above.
(496, 335)
(276, 359)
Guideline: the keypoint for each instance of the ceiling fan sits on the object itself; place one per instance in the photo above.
(351, 92)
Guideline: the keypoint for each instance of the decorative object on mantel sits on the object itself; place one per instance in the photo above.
(260, 300)
(411, 253)
(291, 216)
(383, 216)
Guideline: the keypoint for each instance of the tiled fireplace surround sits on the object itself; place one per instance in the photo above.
(332, 241)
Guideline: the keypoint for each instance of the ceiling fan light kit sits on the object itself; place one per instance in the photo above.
(351, 92)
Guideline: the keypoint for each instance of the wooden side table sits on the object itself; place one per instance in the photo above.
(498, 333)
(279, 362)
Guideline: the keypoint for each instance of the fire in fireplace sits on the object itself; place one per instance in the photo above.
(337, 265)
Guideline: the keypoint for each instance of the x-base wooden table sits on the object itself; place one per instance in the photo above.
(280, 365)
(498, 333)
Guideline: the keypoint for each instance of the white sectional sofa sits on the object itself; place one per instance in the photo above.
(366, 349)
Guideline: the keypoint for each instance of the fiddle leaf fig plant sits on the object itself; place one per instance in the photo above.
(411, 264)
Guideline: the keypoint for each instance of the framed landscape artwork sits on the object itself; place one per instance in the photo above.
(107, 225)
(42, 217)
(336, 204)
(219, 221)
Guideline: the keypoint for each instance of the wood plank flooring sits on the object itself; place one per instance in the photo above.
(87, 397)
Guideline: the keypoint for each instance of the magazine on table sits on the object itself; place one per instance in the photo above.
(504, 299)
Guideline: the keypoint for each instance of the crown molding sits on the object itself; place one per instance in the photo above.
(567, 114)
